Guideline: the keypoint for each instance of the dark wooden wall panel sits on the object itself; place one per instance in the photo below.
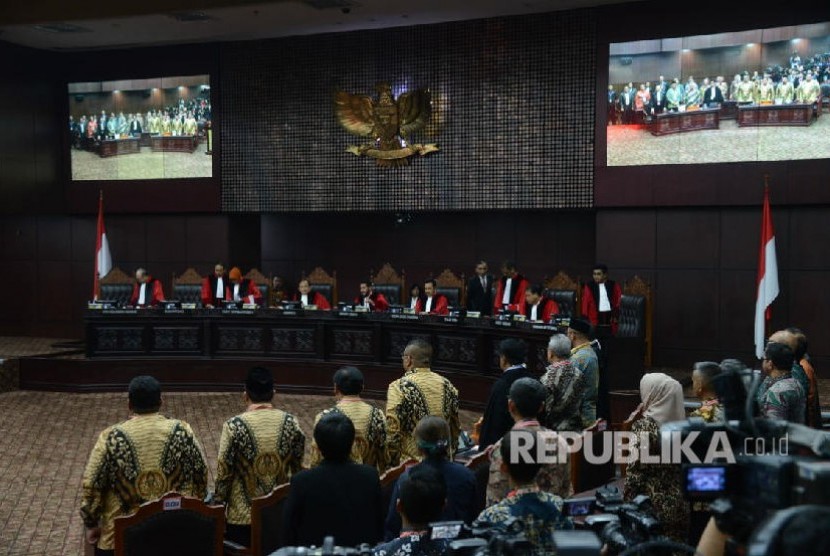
(687, 239)
(627, 238)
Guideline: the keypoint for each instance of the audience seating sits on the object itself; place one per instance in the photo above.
(564, 290)
(479, 464)
(187, 287)
(173, 525)
(389, 283)
(453, 287)
(262, 282)
(266, 525)
(637, 313)
(388, 479)
(116, 286)
(585, 476)
(321, 281)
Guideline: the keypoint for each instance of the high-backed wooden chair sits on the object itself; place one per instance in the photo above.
(187, 287)
(564, 290)
(321, 281)
(267, 533)
(116, 286)
(174, 524)
(262, 282)
(453, 287)
(637, 314)
(389, 283)
(388, 479)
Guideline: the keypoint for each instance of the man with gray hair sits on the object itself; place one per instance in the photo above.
(565, 385)
(147, 291)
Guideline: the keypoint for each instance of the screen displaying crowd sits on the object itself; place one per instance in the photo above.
(759, 95)
(141, 129)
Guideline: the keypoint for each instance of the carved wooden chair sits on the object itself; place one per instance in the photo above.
(453, 287)
(637, 314)
(564, 290)
(388, 479)
(267, 534)
(116, 286)
(187, 287)
(173, 524)
(262, 282)
(388, 282)
(321, 281)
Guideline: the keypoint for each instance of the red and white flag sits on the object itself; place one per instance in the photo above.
(767, 277)
(103, 259)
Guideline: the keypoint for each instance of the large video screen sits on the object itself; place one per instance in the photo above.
(756, 95)
(140, 129)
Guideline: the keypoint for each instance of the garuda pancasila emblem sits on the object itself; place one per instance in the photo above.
(388, 122)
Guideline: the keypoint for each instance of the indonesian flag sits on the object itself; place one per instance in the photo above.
(767, 277)
(103, 259)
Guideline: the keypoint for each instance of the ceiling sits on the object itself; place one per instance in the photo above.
(99, 24)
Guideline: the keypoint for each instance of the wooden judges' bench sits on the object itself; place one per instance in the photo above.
(776, 115)
(176, 144)
(692, 120)
(316, 339)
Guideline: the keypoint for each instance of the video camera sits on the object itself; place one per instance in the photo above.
(758, 474)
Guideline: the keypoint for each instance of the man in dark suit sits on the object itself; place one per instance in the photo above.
(657, 104)
(712, 96)
(497, 419)
(480, 290)
(337, 498)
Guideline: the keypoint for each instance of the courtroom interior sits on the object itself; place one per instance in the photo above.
(283, 271)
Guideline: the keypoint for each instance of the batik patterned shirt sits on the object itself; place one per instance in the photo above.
(370, 433)
(258, 450)
(420, 392)
(412, 545)
(782, 397)
(554, 478)
(566, 387)
(540, 512)
(138, 461)
(710, 411)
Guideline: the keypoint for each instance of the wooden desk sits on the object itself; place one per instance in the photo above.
(178, 144)
(729, 110)
(776, 115)
(114, 147)
(679, 122)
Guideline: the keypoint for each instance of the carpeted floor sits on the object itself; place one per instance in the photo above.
(46, 439)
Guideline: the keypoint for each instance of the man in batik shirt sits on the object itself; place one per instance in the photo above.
(369, 445)
(780, 396)
(710, 409)
(258, 450)
(525, 401)
(565, 385)
(540, 512)
(420, 392)
(138, 461)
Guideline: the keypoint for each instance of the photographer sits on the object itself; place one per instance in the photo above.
(540, 512)
(421, 499)
(662, 402)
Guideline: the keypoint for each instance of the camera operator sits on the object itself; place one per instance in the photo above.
(662, 402)
(540, 512)
(421, 499)
(791, 532)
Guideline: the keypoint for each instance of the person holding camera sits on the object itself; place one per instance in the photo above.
(662, 402)
(540, 512)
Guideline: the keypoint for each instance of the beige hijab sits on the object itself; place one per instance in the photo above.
(662, 398)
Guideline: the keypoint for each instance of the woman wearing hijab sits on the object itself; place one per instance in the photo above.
(662, 402)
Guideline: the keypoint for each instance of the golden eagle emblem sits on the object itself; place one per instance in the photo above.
(388, 121)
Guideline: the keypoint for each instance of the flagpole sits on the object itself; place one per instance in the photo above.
(768, 312)
(96, 285)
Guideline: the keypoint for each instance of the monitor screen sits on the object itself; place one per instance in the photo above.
(753, 95)
(141, 129)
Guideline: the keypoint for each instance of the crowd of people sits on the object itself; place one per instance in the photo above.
(187, 117)
(353, 442)
(800, 81)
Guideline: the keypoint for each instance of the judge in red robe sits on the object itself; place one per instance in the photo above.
(375, 301)
(510, 289)
(307, 297)
(147, 291)
(434, 303)
(215, 288)
(243, 289)
(601, 299)
(538, 308)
